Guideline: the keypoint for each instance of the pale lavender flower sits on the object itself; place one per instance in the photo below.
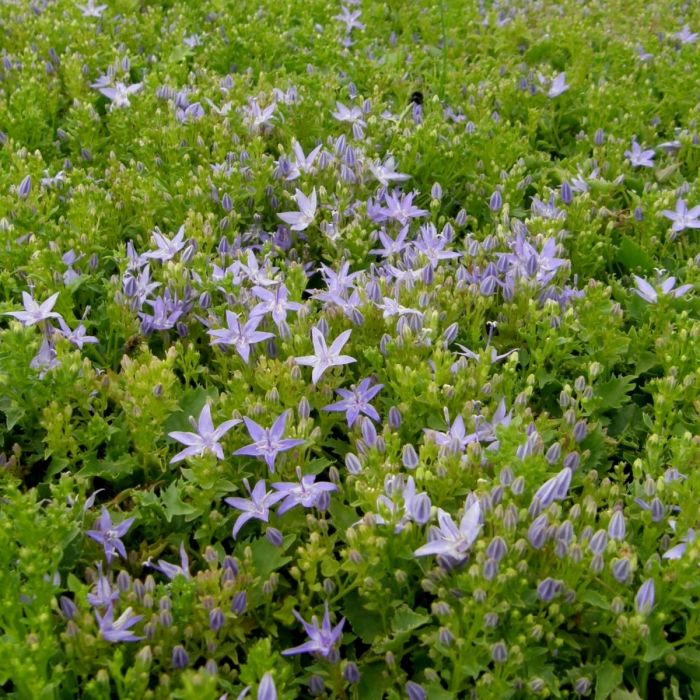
(76, 337)
(554, 489)
(683, 217)
(207, 438)
(274, 303)
(455, 439)
(640, 157)
(259, 119)
(325, 357)
(450, 541)
(617, 528)
(558, 86)
(109, 535)
(307, 492)
(46, 358)
(302, 163)
(33, 311)
(119, 94)
(677, 551)
(268, 442)
(173, 570)
(357, 401)
(267, 689)
(117, 630)
(352, 115)
(391, 246)
(167, 248)
(685, 36)
(104, 596)
(322, 638)
(257, 506)
(386, 173)
(91, 10)
(649, 294)
(240, 336)
(349, 18)
(302, 219)
(644, 601)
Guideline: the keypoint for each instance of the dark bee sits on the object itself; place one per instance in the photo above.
(132, 344)
(416, 98)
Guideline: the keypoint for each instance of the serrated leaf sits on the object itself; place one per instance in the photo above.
(268, 558)
(174, 505)
(614, 392)
(406, 620)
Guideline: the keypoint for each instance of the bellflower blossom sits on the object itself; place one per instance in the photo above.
(302, 219)
(257, 506)
(109, 535)
(91, 10)
(268, 442)
(452, 542)
(356, 401)
(117, 630)
(207, 438)
(33, 311)
(666, 288)
(307, 492)
(240, 336)
(386, 173)
(302, 163)
(119, 94)
(166, 248)
(76, 337)
(322, 638)
(683, 217)
(325, 357)
(173, 570)
(558, 86)
(640, 157)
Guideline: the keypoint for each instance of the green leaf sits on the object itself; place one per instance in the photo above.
(268, 558)
(632, 257)
(609, 677)
(594, 598)
(613, 393)
(406, 620)
(174, 505)
(366, 624)
(374, 682)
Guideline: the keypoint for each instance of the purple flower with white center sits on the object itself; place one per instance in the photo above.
(257, 506)
(307, 492)
(166, 248)
(259, 120)
(455, 439)
(251, 270)
(76, 337)
(357, 401)
(322, 638)
(119, 94)
(325, 357)
(433, 245)
(391, 246)
(644, 600)
(118, 630)
(338, 283)
(666, 287)
(91, 10)
(33, 311)
(166, 313)
(240, 336)
(391, 307)
(109, 535)
(46, 358)
(546, 210)
(452, 542)
(683, 217)
(302, 219)
(207, 437)
(349, 19)
(104, 596)
(302, 163)
(274, 303)
(173, 570)
(640, 157)
(398, 207)
(268, 442)
(352, 115)
(685, 36)
(558, 86)
(385, 173)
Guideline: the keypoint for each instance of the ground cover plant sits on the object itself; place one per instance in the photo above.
(349, 349)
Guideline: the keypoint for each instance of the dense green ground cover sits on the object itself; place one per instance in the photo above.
(349, 349)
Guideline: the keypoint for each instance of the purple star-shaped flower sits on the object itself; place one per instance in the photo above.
(325, 357)
(33, 311)
(558, 86)
(647, 292)
(302, 219)
(166, 248)
(268, 442)
(173, 570)
(118, 630)
(109, 535)
(357, 401)
(76, 337)
(274, 303)
(206, 438)
(240, 336)
(322, 638)
(119, 94)
(683, 217)
(640, 157)
(306, 492)
(450, 541)
(257, 506)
